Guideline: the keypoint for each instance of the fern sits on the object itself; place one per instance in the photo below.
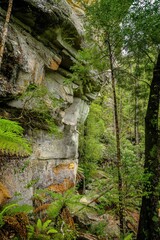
(11, 138)
(41, 230)
(25, 208)
(46, 224)
(10, 126)
(55, 208)
(4, 211)
(39, 224)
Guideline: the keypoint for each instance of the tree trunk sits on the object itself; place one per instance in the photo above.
(136, 133)
(149, 226)
(5, 31)
(119, 162)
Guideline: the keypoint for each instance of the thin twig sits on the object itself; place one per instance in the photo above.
(5, 30)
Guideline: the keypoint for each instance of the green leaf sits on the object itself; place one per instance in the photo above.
(46, 224)
(52, 231)
(7, 208)
(129, 237)
(39, 224)
(30, 229)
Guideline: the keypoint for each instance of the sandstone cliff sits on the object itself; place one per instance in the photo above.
(42, 43)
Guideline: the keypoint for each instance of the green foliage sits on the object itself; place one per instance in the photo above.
(130, 72)
(115, 12)
(99, 229)
(32, 182)
(38, 100)
(129, 237)
(17, 208)
(4, 212)
(65, 232)
(41, 230)
(90, 70)
(141, 26)
(132, 169)
(101, 174)
(55, 208)
(11, 139)
(91, 148)
(13, 208)
(84, 70)
(69, 199)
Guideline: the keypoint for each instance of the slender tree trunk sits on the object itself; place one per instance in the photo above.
(136, 133)
(149, 226)
(119, 162)
(120, 110)
(5, 31)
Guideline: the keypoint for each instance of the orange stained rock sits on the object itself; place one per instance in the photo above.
(4, 193)
(62, 187)
(62, 167)
(71, 166)
(54, 65)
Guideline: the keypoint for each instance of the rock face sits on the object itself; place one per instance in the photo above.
(42, 42)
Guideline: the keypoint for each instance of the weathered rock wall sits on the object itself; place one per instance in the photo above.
(42, 43)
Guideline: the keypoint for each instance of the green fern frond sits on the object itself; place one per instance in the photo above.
(54, 209)
(4, 211)
(46, 224)
(13, 143)
(11, 140)
(52, 231)
(39, 224)
(10, 126)
(25, 208)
